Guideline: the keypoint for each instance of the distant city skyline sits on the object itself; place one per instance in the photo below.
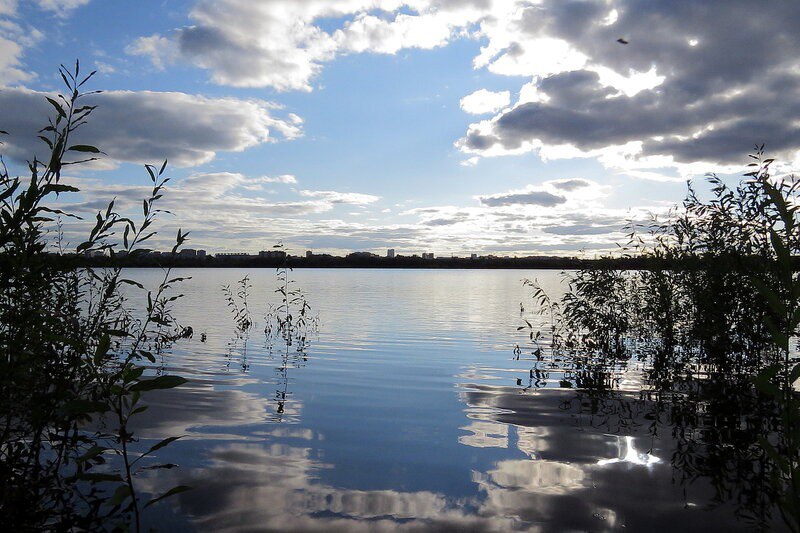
(490, 127)
(391, 253)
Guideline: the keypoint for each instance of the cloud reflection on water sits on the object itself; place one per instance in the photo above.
(379, 440)
(559, 481)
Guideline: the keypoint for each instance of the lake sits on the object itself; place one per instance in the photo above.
(408, 410)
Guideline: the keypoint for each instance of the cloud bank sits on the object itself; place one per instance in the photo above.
(697, 81)
(147, 127)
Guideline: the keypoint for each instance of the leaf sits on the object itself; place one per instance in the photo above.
(147, 355)
(97, 477)
(171, 492)
(87, 78)
(59, 188)
(161, 444)
(84, 148)
(159, 383)
(57, 106)
(122, 493)
(163, 466)
(132, 374)
(81, 406)
(93, 452)
(58, 212)
(763, 381)
(102, 348)
(131, 282)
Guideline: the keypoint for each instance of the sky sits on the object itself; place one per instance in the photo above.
(502, 127)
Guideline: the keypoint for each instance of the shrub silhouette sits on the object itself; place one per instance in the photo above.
(73, 357)
(713, 319)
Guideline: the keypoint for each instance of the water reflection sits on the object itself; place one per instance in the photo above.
(277, 488)
(575, 474)
(408, 421)
(687, 395)
(630, 455)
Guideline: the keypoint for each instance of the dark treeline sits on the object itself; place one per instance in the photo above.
(642, 262)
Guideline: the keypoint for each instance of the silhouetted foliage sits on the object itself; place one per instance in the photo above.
(712, 336)
(73, 356)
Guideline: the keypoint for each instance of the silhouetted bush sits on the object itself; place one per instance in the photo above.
(712, 320)
(73, 356)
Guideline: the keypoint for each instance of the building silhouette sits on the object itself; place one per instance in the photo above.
(272, 254)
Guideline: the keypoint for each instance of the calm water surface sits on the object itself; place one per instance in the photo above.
(408, 411)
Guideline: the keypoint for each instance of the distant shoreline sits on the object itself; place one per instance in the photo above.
(404, 262)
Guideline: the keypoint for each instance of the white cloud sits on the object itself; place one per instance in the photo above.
(281, 44)
(249, 44)
(368, 33)
(104, 68)
(224, 212)
(683, 92)
(17, 36)
(260, 183)
(160, 50)
(14, 40)
(571, 184)
(684, 88)
(335, 197)
(529, 196)
(151, 126)
(212, 196)
(284, 178)
(8, 7)
(11, 62)
(483, 101)
(61, 6)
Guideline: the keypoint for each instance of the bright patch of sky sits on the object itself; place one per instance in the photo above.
(486, 126)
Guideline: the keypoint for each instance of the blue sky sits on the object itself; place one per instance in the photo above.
(489, 126)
